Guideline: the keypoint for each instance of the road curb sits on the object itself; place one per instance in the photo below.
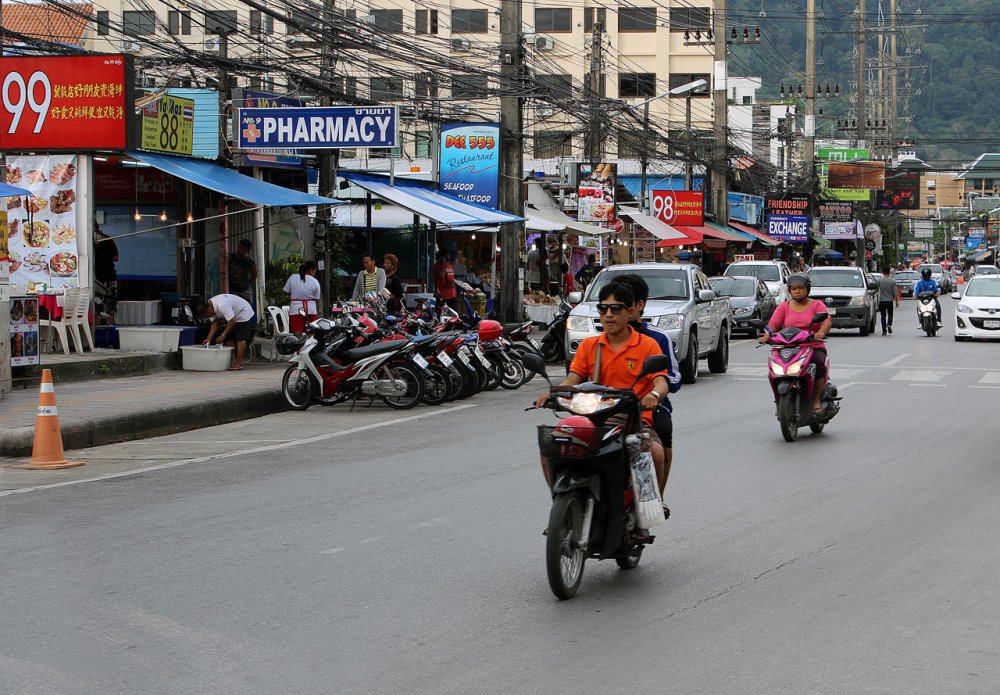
(82, 433)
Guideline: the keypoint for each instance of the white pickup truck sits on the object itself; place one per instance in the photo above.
(681, 302)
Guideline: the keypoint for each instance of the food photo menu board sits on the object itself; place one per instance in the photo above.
(23, 331)
(42, 226)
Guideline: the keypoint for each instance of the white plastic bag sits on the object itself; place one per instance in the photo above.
(648, 505)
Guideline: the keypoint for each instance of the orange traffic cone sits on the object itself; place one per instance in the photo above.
(47, 451)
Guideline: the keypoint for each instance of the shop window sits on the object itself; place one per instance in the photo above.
(469, 21)
(469, 87)
(344, 85)
(261, 23)
(636, 84)
(553, 145)
(179, 23)
(636, 19)
(139, 22)
(690, 19)
(103, 22)
(388, 20)
(220, 22)
(555, 86)
(386, 89)
(553, 20)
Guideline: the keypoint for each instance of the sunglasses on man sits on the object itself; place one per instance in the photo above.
(613, 308)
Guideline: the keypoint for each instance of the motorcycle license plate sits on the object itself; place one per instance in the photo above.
(534, 343)
(463, 359)
(444, 359)
(987, 323)
(482, 358)
(420, 361)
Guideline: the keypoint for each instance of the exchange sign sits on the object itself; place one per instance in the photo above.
(67, 103)
(319, 127)
(685, 208)
(788, 217)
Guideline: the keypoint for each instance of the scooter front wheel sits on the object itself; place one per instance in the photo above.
(297, 385)
(788, 415)
(564, 556)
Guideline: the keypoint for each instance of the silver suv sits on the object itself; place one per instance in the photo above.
(773, 273)
(848, 294)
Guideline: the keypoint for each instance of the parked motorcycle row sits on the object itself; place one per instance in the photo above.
(364, 353)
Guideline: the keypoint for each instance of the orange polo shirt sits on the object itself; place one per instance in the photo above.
(619, 369)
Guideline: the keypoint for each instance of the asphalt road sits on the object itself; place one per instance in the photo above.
(389, 552)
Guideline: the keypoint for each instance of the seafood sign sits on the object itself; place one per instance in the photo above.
(43, 237)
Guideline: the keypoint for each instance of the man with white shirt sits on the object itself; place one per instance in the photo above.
(234, 314)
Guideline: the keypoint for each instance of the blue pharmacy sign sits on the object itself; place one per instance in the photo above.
(470, 162)
(318, 127)
(251, 98)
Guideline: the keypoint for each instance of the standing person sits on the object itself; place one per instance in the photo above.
(390, 263)
(305, 292)
(371, 280)
(888, 294)
(568, 283)
(242, 271)
(538, 261)
(444, 280)
(234, 313)
(585, 275)
(105, 257)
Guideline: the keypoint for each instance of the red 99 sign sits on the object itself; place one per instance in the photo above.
(66, 103)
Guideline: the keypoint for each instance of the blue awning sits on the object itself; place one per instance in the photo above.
(982, 255)
(8, 191)
(657, 183)
(230, 182)
(421, 199)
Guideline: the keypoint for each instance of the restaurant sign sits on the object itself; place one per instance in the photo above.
(684, 208)
(168, 125)
(73, 103)
(318, 127)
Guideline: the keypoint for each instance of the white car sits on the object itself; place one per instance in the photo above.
(978, 312)
(773, 273)
(986, 270)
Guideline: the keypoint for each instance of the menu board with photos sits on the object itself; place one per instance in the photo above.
(23, 331)
(42, 227)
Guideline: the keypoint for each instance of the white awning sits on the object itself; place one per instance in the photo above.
(388, 216)
(544, 207)
(661, 230)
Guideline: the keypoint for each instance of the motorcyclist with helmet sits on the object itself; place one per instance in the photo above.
(928, 284)
(798, 312)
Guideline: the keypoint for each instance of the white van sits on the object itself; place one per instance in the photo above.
(773, 273)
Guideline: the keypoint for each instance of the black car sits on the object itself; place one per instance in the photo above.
(748, 297)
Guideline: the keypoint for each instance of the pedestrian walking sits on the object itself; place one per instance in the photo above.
(888, 296)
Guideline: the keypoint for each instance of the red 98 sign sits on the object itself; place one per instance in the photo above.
(679, 207)
(67, 103)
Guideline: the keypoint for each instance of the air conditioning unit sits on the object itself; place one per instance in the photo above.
(211, 44)
(460, 44)
(543, 111)
(544, 43)
(131, 46)
(296, 43)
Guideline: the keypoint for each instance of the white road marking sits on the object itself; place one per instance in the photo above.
(331, 551)
(918, 384)
(895, 360)
(838, 373)
(920, 375)
(976, 386)
(748, 371)
(243, 452)
(990, 378)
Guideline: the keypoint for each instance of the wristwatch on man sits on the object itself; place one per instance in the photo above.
(657, 394)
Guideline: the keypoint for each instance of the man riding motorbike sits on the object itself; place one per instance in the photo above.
(798, 312)
(614, 358)
(929, 284)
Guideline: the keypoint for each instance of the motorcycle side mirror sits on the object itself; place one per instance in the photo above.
(574, 298)
(821, 317)
(654, 364)
(956, 295)
(534, 363)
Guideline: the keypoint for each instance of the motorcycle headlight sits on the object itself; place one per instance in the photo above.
(795, 368)
(579, 323)
(669, 321)
(964, 309)
(586, 403)
(857, 301)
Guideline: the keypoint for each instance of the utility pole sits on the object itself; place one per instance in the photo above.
(810, 115)
(893, 103)
(322, 231)
(859, 244)
(595, 91)
(720, 180)
(511, 163)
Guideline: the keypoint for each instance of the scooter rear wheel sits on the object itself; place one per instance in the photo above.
(564, 558)
(436, 386)
(512, 374)
(400, 371)
(788, 415)
(630, 561)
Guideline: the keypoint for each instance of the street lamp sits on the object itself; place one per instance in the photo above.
(687, 90)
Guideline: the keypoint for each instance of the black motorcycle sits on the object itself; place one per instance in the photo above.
(593, 503)
(553, 346)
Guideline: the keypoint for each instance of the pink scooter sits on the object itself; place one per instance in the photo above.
(793, 379)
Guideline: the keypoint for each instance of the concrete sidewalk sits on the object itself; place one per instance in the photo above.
(104, 411)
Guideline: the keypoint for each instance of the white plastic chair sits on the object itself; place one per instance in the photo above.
(285, 311)
(279, 318)
(68, 320)
(82, 320)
